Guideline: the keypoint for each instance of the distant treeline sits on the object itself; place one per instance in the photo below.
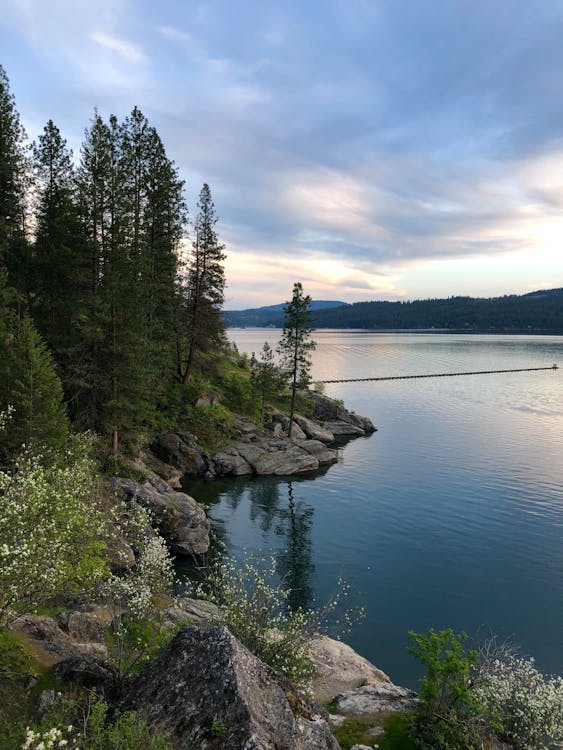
(537, 311)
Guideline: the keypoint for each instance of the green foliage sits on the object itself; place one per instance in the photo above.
(217, 729)
(255, 611)
(295, 344)
(522, 706)
(448, 668)
(13, 177)
(17, 671)
(266, 379)
(32, 388)
(86, 723)
(51, 530)
(203, 293)
(353, 731)
(397, 733)
(448, 719)
(212, 423)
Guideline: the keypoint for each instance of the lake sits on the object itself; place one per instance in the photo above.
(451, 515)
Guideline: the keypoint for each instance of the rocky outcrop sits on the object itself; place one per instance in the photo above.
(90, 672)
(339, 668)
(187, 611)
(272, 457)
(182, 451)
(334, 417)
(208, 691)
(375, 699)
(180, 520)
(73, 634)
(258, 451)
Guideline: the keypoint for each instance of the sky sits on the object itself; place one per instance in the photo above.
(371, 149)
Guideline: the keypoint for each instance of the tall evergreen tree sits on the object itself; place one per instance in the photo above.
(61, 263)
(32, 388)
(134, 212)
(15, 253)
(205, 285)
(296, 344)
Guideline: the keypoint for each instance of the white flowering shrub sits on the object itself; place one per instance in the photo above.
(52, 739)
(256, 610)
(525, 708)
(134, 595)
(96, 728)
(51, 530)
(153, 574)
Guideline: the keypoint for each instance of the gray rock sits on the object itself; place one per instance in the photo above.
(333, 414)
(181, 521)
(45, 702)
(375, 699)
(229, 462)
(91, 673)
(180, 450)
(193, 612)
(170, 474)
(313, 430)
(84, 627)
(344, 429)
(283, 420)
(121, 555)
(205, 679)
(339, 668)
(48, 636)
(325, 456)
(293, 460)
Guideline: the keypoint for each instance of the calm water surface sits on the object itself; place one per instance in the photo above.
(451, 515)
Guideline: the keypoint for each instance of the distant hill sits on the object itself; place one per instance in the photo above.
(536, 311)
(271, 315)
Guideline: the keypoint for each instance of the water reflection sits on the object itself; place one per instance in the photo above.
(295, 561)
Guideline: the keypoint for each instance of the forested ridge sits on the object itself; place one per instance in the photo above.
(537, 311)
(109, 299)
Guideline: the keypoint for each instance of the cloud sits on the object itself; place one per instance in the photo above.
(128, 51)
(366, 139)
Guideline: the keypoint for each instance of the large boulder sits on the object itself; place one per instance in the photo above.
(272, 457)
(337, 419)
(209, 691)
(339, 668)
(182, 451)
(90, 672)
(180, 520)
(55, 640)
(314, 430)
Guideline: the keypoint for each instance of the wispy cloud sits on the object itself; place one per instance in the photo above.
(126, 50)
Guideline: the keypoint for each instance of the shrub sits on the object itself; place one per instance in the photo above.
(524, 707)
(256, 610)
(93, 728)
(51, 530)
(449, 715)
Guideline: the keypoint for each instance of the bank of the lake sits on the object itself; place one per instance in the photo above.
(450, 515)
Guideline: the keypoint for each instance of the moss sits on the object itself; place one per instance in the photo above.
(354, 731)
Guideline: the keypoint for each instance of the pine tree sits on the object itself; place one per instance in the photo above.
(265, 378)
(15, 252)
(32, 388)
(295, 345)
(205, 285)
(61, 263)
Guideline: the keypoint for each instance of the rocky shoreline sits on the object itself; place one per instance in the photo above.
(205, 680)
